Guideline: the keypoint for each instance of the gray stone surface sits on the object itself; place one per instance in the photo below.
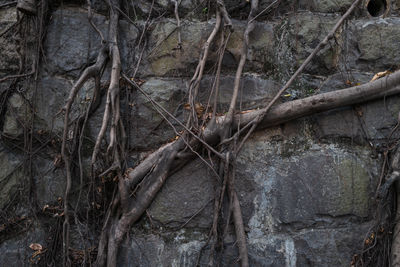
(12, 176)
(327, 247)
(255, 90)
(309, 206)
(149, 129)
(306, 31)
(51, 96)
(369, 122)
(165, 59)
(178, 248)
(72, 44)
(184, 195)
(8, 53)
(329, 6)
(17, 117)
(305, 187)
(294, 174)
(16, 251)
(376, 40)
(49, 182)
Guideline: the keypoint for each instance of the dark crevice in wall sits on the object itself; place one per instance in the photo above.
(377, 8)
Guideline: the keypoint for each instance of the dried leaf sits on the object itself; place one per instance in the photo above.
(36, 246)
(380, 75)
(138, 81)
(199, 109)
(57, 160)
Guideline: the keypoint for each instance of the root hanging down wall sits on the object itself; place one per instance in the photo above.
(307, 186)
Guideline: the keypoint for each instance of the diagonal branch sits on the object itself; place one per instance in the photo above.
(321, 45)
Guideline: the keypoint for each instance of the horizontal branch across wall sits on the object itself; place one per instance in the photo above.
(386, 86)
(281, 113)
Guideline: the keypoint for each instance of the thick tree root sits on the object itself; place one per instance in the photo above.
(90, 72)
(152, 173)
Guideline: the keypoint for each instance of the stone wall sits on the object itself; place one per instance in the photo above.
(306, 187)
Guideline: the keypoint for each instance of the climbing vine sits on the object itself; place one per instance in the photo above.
(214, 138)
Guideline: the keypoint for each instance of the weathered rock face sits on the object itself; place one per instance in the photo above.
(165, 59)
(16, 251)
(372, 49)
(11, 176)
(306, 188)
(304, 204)
(17, 115)
(8, 54)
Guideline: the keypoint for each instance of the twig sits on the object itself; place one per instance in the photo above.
(264, 10)
(90, 18)
(10, 27)
(194, 215)
(172, 116)
(17, 76)
(186, 142)
(146, 24)
(178, 21)
(8, 4)
(198, 75)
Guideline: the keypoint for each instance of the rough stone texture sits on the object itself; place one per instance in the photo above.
(308, 204)
(151, 130)
(17, 117)
(50, 99)
(305, 187)
(178, 248)
(72, 42)
(328, 6)
(293, 174)
(184, 195)
(319, 247)
(12, 176)
(16, 251)
(305, 33)
(370, 122)
(376, 42)
(255, 90)
(49, 182)
(165, 59)
(8, 55)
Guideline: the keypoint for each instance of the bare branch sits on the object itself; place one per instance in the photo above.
(321, 45)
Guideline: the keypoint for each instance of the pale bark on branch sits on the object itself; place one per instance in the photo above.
(281, 113)
(278, 114)
(285, 112)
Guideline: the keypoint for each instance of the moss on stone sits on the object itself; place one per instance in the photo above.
(354, 188)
